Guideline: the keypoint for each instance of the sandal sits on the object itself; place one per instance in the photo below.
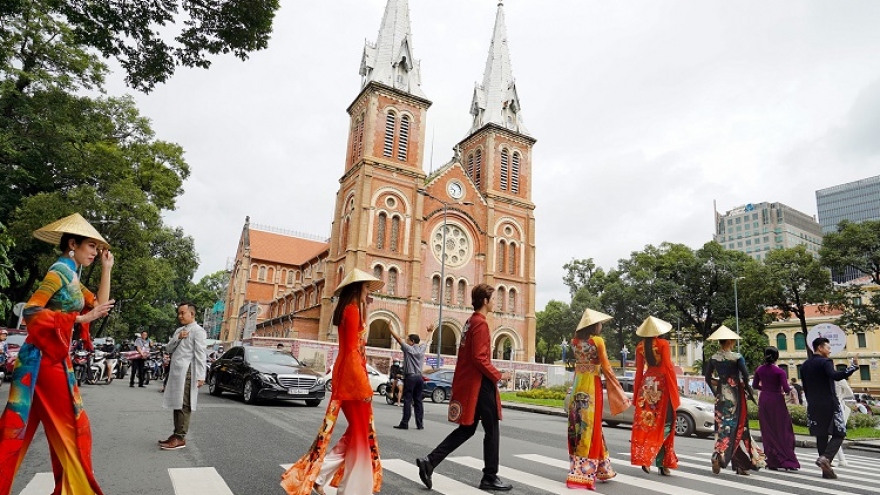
(716, 463)
(318, 489)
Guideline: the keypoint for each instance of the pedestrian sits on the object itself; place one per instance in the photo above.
(413, 384)
(396, 375)
(186, 373)
(475, 397)
(733, 439)
(110, 357)
(844, 392)
(4, 353)
(799, 390)
(777, 433)
(43, 388)
(357, 449)
(656, 399)
(824, 414)
(587, 452)
(139, 360)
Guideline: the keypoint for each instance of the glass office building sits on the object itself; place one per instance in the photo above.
(857, 202)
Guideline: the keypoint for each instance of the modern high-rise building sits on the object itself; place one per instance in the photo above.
(756, 228)
(857, 202)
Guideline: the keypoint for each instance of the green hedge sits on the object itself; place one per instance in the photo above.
(555, 393)
(799, 417)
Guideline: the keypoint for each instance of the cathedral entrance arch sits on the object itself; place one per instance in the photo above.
(506, 345)
(450, 336)
(379, 334)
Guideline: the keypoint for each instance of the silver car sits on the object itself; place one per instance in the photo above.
(691, 417)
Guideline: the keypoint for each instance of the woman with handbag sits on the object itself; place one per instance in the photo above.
(656, 398)
(43, 387)
(588, 455)
(352, 465)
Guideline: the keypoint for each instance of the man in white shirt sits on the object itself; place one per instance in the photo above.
(186, 374)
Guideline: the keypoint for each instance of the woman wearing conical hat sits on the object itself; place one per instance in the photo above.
(43, 388)
(733, 440)
(656, 399)
(352, 465)
(588, 455)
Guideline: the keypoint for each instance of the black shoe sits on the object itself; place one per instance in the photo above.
(131, 384)
(141, 386)
(420, 427)
(425, 471)
(401, 427)
(495, 484)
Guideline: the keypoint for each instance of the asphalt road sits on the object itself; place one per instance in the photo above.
(244, 446)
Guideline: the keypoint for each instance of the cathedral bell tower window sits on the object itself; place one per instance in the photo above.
(380, 231)
(505, 169)
(478, 168)
(514, 174)
(403, 138)
(390, 124)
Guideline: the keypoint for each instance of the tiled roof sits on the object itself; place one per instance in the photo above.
(284, 249)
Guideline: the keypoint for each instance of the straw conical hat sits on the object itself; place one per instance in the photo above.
(358, 275)
(723, 333)
(74, 224)
(653, 327)
(591, 317)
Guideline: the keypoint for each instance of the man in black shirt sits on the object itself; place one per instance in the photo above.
(800, 390)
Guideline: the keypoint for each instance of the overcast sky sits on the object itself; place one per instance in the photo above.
(645, 113)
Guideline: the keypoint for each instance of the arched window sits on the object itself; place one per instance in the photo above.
(360, 140)
(447, 291)
(478, 167)
(392, 281)
(505, 168)
(501, 300)
(781, 342)
(403, 138)
(514, 174)
(435, 288)
(390, 124)
(800, 342)
(511, 301)
(357, 136)
(271, 275)
(511, 259)
(254, 272)
(395, 233)
(290, 277)
(380, 231)
(344, 244)
(312, 301)
(262, 275)
(470, 166)
(501, 251)
(377, 272)
(462, 289)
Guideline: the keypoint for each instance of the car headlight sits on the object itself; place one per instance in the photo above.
(266, 377)
(321, 380)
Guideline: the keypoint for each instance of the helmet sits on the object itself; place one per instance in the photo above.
(109, 340)
(397, 361)
(3, 331)
(220, 348)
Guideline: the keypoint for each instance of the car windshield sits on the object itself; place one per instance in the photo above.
(270, 356)
(16, 339)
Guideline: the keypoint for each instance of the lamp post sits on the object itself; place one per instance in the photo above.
(623, 354)
(736, 309)
(442, 269)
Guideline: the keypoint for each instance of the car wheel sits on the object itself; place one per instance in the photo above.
(328, 386)
(313, 402)
(684, 424)
(213, 387)
(249, 394)
(382, 388)
(438, 395)
(612, 424)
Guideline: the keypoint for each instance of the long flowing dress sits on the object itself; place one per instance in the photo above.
(731, 413)
(777, 434)
(352, 465)
(656, 399)
(587, 452)
(44, 390)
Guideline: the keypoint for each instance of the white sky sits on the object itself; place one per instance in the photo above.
(645, 112)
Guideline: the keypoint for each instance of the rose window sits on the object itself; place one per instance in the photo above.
(458, 246)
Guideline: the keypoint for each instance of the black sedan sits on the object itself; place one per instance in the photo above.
(265, 373)
(438, 385)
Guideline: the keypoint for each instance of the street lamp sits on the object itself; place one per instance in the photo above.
(623, 354)
(442, 267)
(736, 310)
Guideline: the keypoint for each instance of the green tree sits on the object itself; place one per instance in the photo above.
(6, 270)
(553, 324)
(210, 289)
(855, 246)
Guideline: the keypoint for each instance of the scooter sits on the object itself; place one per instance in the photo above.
(391, 393)
(80, 365)
(98, 369)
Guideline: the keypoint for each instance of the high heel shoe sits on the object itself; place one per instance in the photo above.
(664, 471)
(646, 469)
(716, 463)
(318, 489)
(742, 472)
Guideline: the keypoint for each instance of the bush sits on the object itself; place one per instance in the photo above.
(798, 415)
(543, 393)
(859, 420)
(753, 410)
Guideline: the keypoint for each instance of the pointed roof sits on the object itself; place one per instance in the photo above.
(496, 100)
(390, 60)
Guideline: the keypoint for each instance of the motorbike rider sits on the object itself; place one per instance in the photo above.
(4, 352)
(110, 357)
(396, 374)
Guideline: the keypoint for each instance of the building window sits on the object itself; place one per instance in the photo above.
(514, 173)
(511, 259)
(435, 288)
(390, 123)
(470, 166)
(377, 272)
(501, 251)
(344, 244)
(502, 299)
(262, 273)
(478, 168)
(511, 301)
(800, 342)
(505, 169)
(395, 233)
(380, 231)
(781, 342)
(392, 281)
(403, 139)
(865, 373)
(862, 340)
(447, 291)
(290, 277)
(462, 289)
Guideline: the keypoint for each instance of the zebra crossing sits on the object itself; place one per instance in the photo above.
(861, 476)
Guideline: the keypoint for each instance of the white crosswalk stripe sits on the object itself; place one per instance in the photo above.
(42, 484)
(441, 483)
(198, 481)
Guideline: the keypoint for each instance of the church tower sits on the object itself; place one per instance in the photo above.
(375, 226)
(497, 156)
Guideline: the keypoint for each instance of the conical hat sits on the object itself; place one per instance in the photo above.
(653, 327)
(358, 275)
(591, 317)
(74, 224)
(723, 333)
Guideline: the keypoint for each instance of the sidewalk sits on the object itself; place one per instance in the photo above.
(803, 441)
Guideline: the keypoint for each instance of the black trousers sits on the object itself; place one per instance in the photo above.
(828, 448)
(487, 414)
(413, 391)
(137, 368)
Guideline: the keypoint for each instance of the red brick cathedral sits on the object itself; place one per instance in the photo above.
(390, 215)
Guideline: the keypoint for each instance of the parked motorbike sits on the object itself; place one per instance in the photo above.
(153, 369)
(391, 393)
(80, 365)
(98, 369)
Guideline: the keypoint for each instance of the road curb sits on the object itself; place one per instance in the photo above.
(550, 411)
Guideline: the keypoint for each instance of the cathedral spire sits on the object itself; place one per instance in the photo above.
(496, 100)
(390, 60)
